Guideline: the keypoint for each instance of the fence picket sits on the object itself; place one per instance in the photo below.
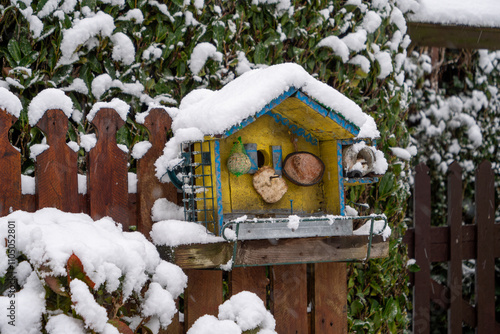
(253, 279)
(422, 216)
(203, 295)
(149, 188)
(10, 173)
(455, 263)
(485, 263)
(330, 298)
(289, 287)
(108, 171)
(56, 167)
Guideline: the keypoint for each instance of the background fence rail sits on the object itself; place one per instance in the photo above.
(453, 244)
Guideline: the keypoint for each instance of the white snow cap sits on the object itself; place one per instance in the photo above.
(50, 98)
(10, 103)
(461, 12)
(121, 107)
(200, 55)
(214, 112)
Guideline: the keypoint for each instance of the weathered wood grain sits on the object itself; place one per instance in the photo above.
(56, 168)
(10, 172)
(149, 188)
(289, 298)
(330, 298)
(107, 171)
(253, 279)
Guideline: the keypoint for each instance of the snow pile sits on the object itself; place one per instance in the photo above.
(461, 12)
(50, 98)
(118, 262)
(163, 209)
(175, 232)
(140, 149)
(201, 53)
(10, 103)
(121, 107)
(242, 312)
(85, 31)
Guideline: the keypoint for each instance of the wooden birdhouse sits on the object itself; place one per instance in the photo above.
(270, 154)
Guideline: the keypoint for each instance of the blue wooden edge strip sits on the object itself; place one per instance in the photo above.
(341, 178)
(218, 181)
(339, 119)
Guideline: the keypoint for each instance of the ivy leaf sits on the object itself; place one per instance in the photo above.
(14, 50)
(74, 268)
(56, 285)
(122, 327)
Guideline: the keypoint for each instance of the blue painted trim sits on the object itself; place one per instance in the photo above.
(361, 180)
(218, 185)
(264, 110)
(280, 119)
(341, 178)
(251, 149)
(277, 158)
(326, 112)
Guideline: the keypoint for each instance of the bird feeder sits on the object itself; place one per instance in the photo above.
(303, 148)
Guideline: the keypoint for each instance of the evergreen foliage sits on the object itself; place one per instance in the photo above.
(325, 37)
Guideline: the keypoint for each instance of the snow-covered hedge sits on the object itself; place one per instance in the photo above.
(65, 273)
(148, 53)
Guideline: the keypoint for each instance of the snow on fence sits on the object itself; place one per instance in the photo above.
(56, 172)
(453, 244)
(288, 289)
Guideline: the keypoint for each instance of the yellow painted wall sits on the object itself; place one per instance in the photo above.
(328, 151)
(239, 191)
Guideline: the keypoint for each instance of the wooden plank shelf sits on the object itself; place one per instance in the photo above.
(275, 251)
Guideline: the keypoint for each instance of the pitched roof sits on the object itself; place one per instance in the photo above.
(259, 91)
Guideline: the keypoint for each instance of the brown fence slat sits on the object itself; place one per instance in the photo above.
(289, 298)
(107, 171)
(203, 295)
(149, 188)
(422, 207)
(330, 298)
(56, 168)
(253, 279)
(455, 263)
(485, 263)
(10, 173)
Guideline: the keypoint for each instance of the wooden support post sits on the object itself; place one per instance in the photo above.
(56, 168)
(422, 223)
(253, 279)
(455, 263)
(108, 171)
(149, 188)
(289, 298)
(485, 263)
(10, 173)
(203, 295)
(330, 298)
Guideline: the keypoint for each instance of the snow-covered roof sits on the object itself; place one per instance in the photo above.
(214, 112)
(484, 13)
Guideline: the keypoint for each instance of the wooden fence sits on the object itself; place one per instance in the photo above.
(304, 298)
(453, 244)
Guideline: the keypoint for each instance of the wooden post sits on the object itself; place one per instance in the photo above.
(203, 295)
(330, 298)
(56, 168)
(485, 263)
(107, 171)
(149, 188)
(289, 298)
(10, 173)
(422, 223)
(455, 262)
(253, 279)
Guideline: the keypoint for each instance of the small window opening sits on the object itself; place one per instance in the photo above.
(262, 158)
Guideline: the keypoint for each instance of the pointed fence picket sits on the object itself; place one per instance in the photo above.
(453, 244)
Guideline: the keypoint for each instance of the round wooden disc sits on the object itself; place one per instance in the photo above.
(303, 168)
